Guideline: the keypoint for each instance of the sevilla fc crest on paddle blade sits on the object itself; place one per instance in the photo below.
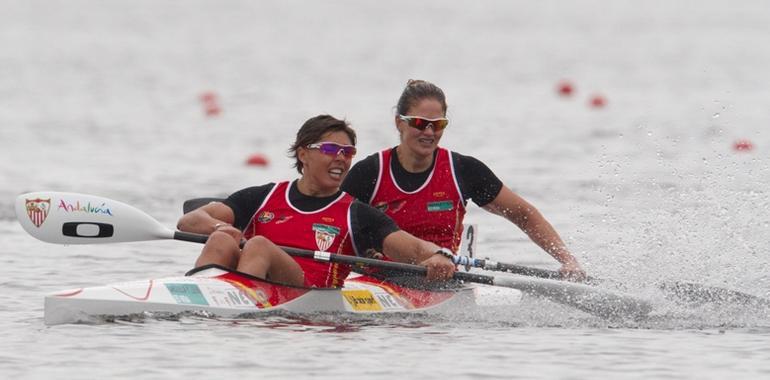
(37, 210)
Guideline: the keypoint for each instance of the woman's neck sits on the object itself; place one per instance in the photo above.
(306, 187)
(412, 162)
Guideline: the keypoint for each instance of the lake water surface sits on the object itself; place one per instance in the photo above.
(104, 98)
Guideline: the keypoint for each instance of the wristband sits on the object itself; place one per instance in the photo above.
(446, 253)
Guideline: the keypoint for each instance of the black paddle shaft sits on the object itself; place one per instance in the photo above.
(351, 260)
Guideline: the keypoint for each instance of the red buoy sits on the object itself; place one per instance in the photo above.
(598, 101)
(210, 103)
(743, 145)
(565, 88)
(257, 159)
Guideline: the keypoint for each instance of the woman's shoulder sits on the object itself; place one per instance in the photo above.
(365, 167)
(260, 188)
(252, 192)
(374, 157)
(361, 178)
(465, 161)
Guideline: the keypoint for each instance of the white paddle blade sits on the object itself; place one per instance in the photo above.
(587, 298)
(71, 218)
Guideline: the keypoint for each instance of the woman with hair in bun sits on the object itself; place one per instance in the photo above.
(425, 187)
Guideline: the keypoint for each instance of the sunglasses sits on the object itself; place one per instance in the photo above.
(334, 149)
(421, 123)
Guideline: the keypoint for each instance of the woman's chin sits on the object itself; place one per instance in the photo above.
(424, 149)
(332, 184)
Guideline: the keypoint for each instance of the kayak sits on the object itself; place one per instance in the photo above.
(218, 292)
(215, 291)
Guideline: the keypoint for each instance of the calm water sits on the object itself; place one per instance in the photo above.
(103, 98)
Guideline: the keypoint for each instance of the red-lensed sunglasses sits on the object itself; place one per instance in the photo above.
(421, 123)
(334, 149)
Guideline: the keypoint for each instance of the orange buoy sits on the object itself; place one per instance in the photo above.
(257, 159)
(743, 145)
(565, 88)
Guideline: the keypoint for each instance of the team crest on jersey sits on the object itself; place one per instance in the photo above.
(37, 210)
(265, 217)
(325, 235)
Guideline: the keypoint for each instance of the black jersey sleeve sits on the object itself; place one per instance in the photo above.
(369, 226)
(362, 178)
(245, 202)
(477, 181)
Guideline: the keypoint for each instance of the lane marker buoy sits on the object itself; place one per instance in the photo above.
(565, 88)
(597, 101)
(743, 145)
(210, 103)
(257, 159)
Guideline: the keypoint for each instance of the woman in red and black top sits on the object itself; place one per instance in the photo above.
(309, 213)
(424, 187)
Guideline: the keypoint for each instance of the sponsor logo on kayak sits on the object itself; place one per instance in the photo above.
(324, 235)
(239, 297)
(235, 298)
(37, 210)
(265, 217)
(85, 207)
(260, 298)
(257, 297)
(361, 300)
(387, 301)
(187, 294)
(440, 206)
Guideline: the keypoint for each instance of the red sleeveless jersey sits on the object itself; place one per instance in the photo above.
(327, 229)
(434, 212)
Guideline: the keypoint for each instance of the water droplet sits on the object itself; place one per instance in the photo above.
(715, 115)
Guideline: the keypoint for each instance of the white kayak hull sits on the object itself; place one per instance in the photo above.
(226, 294)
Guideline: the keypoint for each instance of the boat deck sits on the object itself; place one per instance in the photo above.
(229, 294)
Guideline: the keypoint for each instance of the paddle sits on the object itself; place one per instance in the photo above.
(679, 290)
(682, 291)
(689, 292)
(70, 218)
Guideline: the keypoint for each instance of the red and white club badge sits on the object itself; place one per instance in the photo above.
(37, 210)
